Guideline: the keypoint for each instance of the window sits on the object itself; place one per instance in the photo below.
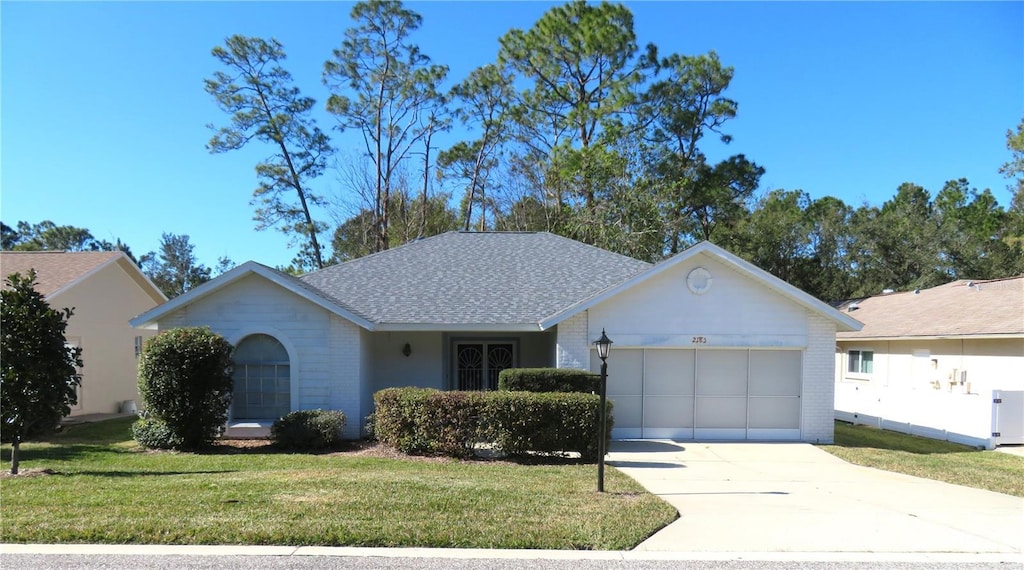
(860, 362)
(262, 378)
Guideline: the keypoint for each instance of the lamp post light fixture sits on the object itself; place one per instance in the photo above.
(603, 344)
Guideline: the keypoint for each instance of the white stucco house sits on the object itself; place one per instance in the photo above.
(705, 344)
(945, 362)
(105, 289)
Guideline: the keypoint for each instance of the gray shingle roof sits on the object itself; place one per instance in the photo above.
(468, 278)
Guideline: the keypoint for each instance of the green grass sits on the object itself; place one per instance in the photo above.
(106, 490)
(929, 458)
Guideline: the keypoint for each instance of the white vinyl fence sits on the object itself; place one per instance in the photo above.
(970, 419)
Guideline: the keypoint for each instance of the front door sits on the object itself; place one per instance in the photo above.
(477, 364)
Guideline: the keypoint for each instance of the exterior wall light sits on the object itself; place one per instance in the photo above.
(407, 349)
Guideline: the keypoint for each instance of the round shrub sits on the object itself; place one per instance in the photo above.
(155, 434)
(308, 429)
(185, 382)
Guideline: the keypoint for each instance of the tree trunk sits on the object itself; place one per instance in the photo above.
(15, 455)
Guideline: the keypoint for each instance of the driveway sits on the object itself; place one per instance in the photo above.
(794, 497)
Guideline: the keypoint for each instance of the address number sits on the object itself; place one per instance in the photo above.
(700, 340)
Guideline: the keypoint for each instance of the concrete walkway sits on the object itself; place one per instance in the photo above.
(794, 497)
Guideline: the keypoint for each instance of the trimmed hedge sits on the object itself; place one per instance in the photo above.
(423, 421)
(548, 380)
(308, 429)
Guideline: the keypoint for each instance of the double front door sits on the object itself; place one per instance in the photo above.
(477, 364)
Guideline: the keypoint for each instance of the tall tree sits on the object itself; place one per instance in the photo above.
(40, 372)
(580, 69)
(685, 104)
(969, 225)
(896, 245)
(483, 100)
(264, 105)
(385, 88)
(174, 268)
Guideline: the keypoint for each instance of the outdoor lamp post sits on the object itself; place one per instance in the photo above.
(602, 344)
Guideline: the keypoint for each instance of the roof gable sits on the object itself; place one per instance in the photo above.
(283, 280)
(763, 278)
(60, 271)
(956, 309)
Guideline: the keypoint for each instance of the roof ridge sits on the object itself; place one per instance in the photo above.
(378, 253)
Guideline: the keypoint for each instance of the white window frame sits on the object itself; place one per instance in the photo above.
(859, 374)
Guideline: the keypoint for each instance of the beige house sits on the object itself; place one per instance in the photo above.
(106, 289)
(944, 362)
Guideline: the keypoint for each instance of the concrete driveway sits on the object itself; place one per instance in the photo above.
(794, 497)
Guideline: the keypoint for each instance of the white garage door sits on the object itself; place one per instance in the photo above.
(704, 394)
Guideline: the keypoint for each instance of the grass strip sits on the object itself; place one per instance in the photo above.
(929, 458)
(106, 490)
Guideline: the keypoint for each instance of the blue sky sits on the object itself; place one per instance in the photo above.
(103, 114)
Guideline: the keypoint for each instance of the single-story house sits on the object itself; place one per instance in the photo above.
(105, 289)
(945, 362)
(705, 344)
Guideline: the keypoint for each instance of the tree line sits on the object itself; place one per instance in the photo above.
(174, 268)
(579, 131)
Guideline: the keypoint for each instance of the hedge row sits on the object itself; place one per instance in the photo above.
(548, 380)
(426, 421)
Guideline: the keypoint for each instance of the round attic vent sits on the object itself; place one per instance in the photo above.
(698, 281)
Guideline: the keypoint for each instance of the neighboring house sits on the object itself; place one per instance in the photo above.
(932, 361)
(105, 289)
(705, 344)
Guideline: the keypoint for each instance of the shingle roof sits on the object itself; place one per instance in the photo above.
(467, 278)
(960, 308)
(54, 269)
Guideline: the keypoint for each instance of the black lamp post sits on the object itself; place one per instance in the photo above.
(602, 344)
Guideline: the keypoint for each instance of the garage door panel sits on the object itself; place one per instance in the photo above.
(668, 372)
(775, 372)
(721, 373)
(668, 412)
(625, 371)
(774, 413)
(716, 412)
(627, 411)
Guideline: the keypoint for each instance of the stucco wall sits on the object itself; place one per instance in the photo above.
(104, 303)
(991, 364)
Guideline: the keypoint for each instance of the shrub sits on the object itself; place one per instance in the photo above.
(427, 421)
(548, 380)
(524, 423)
(185, 382)
(155, 434)
(308, 429)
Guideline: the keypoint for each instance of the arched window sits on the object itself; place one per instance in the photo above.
(262, 379)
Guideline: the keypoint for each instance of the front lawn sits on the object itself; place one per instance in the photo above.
(103, 489)
(929, 458)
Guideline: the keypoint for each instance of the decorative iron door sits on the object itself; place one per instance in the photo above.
(477, 364)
